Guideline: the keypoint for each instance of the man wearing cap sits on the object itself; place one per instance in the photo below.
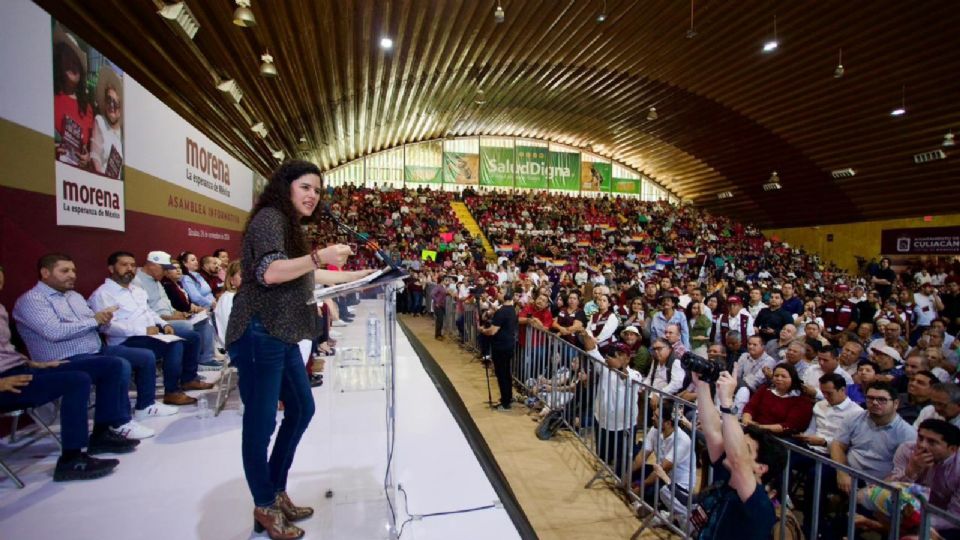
(148, 278)
(889, 361)
(615, 404)
(837, 313)
(639, 355)
(927, 306)
(669, 314)
(736, 318)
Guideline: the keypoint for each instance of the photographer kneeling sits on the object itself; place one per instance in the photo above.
(738, 504)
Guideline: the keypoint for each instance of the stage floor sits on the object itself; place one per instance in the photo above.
(187, 481)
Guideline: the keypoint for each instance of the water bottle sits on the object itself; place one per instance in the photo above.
(203, 408)
(374, 338)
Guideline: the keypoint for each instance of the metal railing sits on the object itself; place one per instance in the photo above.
(606, 410)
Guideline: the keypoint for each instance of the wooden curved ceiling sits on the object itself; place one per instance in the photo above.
(729, 115)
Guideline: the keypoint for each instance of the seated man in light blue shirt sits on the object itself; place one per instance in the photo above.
(56, 324)
(134, 324)
(148, 278)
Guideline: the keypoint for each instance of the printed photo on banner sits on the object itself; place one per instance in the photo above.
(88, 134)
(87, 106)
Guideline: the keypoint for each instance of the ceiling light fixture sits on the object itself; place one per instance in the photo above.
(602, 17)
(948, 139)
(902, 109)
(843, 173)
(260, 129)
(652, 114)
(773, 184)
(480, 98)
(182, 17)
(691, 33)
(243, 15)
(279, 154)
(267, 69)
(386, 43)
(498, 14)
(230, 86)
(838, 72)
(772, 45)
(725, 195)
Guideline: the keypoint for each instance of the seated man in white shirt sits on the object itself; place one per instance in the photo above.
(672, 447)
(148, 278)
(134, 324)
(827, 363)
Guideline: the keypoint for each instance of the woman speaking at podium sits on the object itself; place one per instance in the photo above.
(273, 310)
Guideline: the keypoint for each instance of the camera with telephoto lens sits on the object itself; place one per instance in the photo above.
(708, 371)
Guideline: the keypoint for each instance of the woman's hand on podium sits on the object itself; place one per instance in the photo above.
(335, 255)
(359, 274)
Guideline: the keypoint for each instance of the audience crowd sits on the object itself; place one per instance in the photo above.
(858, 367)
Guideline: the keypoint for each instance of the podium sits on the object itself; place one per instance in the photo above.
(367, 362)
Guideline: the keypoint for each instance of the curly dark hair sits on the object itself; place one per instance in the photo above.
(277, 195)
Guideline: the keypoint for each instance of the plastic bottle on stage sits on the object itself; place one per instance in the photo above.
(374, 338)
(203, 408)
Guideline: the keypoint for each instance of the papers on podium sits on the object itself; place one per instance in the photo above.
(384, 275)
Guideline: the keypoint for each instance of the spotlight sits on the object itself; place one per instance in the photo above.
(243, 15)
(386, 43)
(498, 14)
(948, 139)
(601, 18)
(902, 109)
(838, 72)
(773, 184)
(267, 68)
(652, 114)
(772, 45)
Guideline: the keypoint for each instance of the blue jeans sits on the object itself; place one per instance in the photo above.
(48, 385)
(142, 367)
(416, 303)
(204, 329)
(110, 375)
(179, 357)
(270, 370)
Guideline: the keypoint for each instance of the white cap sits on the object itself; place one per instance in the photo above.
(160, 257)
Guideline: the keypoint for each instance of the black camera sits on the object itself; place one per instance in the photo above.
(708, 370)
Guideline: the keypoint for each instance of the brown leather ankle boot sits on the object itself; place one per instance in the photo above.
(292, 512)
(275, 522)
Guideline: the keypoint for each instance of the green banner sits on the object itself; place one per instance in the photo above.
(422, 175)
(595, 176)
(626, 185)
(459, 168)
(496, 166)
(531, 168)
(564, 171)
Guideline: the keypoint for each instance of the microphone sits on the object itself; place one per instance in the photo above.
(368, 242)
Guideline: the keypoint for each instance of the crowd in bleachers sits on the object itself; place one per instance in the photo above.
(851, 366)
